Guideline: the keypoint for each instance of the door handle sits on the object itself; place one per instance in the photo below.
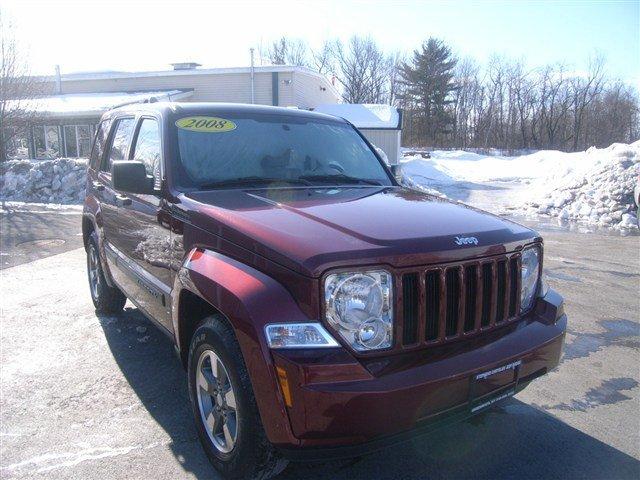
(98, 186)
(122, 200)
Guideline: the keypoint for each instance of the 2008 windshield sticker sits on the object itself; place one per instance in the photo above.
(206, 124)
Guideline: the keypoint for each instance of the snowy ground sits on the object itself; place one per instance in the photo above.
(593, 187)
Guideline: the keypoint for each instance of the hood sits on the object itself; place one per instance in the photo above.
(312, 229)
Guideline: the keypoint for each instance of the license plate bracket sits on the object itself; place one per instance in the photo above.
(491, 386)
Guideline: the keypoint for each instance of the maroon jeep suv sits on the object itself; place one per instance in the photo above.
(320, 308)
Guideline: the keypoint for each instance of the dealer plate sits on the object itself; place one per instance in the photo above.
(489, 373)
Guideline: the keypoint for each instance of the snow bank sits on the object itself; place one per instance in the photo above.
(596, 189)
(595, 186)
(61, 180)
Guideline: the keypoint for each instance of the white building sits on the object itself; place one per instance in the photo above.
(381, 124)
(65, 119)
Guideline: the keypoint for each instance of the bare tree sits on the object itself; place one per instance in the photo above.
(584, 90)
(465, 100)
(362, 69)
(322, 58)
(396, 61)
(287, 51)
(16, 87)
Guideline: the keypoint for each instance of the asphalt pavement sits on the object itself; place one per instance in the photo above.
(95, 397)
(29, 232)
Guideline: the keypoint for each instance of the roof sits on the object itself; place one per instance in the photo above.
(94, 104)
(362, 115)
(204, 108)
(195, 71)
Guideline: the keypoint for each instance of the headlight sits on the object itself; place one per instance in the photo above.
(529, 276)
(358, 307)
(298, 335)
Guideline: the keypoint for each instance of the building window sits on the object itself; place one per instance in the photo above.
(17, 143)
(77, 140)
(47, 141)
(70, 141)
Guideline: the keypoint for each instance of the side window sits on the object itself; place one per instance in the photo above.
(99, 143)
(120, 142)
(147, 148)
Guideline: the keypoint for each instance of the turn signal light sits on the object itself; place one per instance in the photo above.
(284, 386)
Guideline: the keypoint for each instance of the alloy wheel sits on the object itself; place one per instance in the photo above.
(216, 401)
(94, 271)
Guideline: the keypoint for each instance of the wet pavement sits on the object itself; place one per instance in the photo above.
(88, 397)
(29, 232)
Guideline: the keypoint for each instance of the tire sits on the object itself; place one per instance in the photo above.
(106, 299)
(242, 451)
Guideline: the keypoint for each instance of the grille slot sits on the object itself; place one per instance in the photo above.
(501, 290)
(410, 306)
(432, 304)
(442, 303)
(486, 293)
(513, 288)
(453, 299)
(471, 291)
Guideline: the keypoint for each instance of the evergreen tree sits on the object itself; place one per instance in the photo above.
(427, 82)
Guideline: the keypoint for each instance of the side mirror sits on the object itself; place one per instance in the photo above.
(131, 177)
(397, 172)
(382, 155)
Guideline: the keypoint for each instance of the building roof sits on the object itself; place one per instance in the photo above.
(191, 71)
(364, 115)
(94, 104)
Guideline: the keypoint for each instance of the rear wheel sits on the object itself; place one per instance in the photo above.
(224, 406)
(105, 299)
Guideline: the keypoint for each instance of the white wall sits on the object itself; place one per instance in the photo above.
(310, 91)
(295, 88)
(387, 140)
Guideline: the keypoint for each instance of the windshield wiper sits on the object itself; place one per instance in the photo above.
(341, 178)
(242, 181)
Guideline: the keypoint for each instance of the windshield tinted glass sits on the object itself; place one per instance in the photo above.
(226, 151)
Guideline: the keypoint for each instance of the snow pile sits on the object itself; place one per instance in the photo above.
(595, 186)
(61, 180)
(598, 190)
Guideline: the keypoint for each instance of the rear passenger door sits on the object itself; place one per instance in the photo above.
(143, 235)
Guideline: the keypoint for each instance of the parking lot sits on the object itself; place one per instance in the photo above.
(87, 397)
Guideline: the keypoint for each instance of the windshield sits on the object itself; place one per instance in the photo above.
(227, 151)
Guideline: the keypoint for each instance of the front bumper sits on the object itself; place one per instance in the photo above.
(343, 406)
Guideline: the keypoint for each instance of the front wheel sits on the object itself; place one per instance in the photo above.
(224, 407)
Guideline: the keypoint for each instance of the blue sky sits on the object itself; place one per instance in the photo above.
(98, 35)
